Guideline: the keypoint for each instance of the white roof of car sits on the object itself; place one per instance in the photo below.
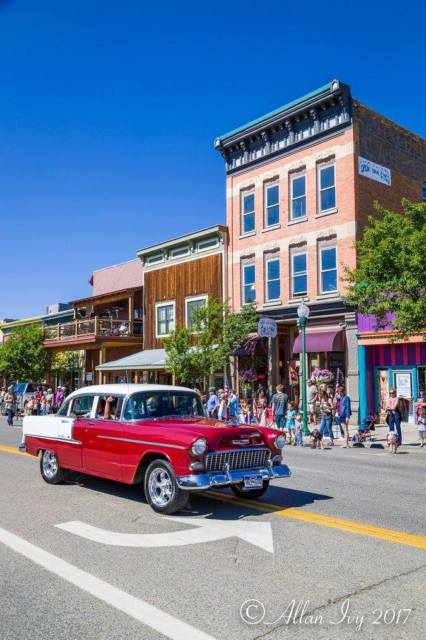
(123, 389)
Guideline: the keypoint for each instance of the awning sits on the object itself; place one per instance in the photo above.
(143, 360)
(319, 341)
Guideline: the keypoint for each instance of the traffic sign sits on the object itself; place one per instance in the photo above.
(267, 328)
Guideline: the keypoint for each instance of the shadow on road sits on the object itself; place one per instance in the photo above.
(205, 503)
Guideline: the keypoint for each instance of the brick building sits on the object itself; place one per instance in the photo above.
(300, 183)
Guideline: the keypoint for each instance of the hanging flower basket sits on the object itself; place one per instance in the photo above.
(322, 376)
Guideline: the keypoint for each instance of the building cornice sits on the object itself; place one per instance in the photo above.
(314, 116)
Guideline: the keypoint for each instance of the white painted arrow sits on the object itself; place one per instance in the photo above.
(256, 533)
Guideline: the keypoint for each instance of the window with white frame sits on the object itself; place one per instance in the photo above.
(247, 213)
(154, 259)
(191, 306)
(248, 275)
(205, 245)
(326, 187)
(165, 318)
(299, 274)
(178, 252)
(297, 196)
(272, 280)
(272, 204)
(328, 269)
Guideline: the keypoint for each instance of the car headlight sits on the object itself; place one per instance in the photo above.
(280, 442)
(199, 447)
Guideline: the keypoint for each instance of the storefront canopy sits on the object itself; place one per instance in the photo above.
(318, 341)
(143, 360)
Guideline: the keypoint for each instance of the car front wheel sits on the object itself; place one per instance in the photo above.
(161, 489)
(50, 470)
(249, 494)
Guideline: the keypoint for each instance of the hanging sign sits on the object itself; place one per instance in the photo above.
(267, 328)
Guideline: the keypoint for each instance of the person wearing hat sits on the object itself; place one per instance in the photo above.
(212, 403)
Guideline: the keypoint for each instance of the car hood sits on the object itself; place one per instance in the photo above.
(217, 433)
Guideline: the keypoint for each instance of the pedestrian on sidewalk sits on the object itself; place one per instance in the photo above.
(345, 412)
(279, 406)
(326, 413)
(312, 397)
(10, 405)
(393, 410)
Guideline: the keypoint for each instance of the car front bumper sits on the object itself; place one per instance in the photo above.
(199, 481)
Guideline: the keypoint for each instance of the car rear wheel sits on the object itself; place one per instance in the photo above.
(50, 470)
(161, 489)
(249, 494)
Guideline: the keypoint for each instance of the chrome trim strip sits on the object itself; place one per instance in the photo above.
(70, 440)
(156, 444)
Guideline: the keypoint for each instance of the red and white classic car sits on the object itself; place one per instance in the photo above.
(158, 436)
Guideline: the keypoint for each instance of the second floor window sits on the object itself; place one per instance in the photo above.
(165, 320)
(247, 219)
(192, 305)
(327, 187)
(249, 283)
(328, 268)
(273, 286)
(298, 197)
(299, 274)
(272, 206)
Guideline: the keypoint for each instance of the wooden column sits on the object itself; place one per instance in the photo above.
(102, 360)
(131, 312)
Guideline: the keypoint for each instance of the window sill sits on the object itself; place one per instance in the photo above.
(327, 296)
(272, 303)
(294, 301)
(329, 212)
(271, 228)
(297, 220)
(247, 235)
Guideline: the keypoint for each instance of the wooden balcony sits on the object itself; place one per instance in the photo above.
(93, 330)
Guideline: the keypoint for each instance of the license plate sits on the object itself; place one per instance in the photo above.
(253, 482)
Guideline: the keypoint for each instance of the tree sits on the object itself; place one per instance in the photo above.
(204, 349)
(389, 281)
(23, 356)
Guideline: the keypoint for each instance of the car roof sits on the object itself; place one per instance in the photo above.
(123, 389)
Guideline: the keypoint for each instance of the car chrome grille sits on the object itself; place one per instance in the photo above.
(237, 459)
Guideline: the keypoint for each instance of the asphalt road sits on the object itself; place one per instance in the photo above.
(348, 560)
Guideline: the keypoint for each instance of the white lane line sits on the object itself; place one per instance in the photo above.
(138, 609)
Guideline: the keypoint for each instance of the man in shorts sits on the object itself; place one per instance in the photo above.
(312, 396)
(279, 406)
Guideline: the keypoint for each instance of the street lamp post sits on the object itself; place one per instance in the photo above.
(303, 315)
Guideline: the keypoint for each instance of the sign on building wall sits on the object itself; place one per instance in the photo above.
(374, 171)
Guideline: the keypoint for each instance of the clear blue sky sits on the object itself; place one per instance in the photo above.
(108, 111)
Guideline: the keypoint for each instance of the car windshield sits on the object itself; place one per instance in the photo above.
(163, 404)
(19, 388)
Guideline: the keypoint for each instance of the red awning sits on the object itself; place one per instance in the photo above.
(321, 341)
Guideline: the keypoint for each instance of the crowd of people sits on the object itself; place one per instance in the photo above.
(42, 403)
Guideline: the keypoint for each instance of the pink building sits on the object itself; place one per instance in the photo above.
(300, 183)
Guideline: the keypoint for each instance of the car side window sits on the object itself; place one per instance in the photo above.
(81, 406)
(135, 408)
(109, 408)
(63, 411)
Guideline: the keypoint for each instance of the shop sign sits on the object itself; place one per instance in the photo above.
(89, 376)
(403, 384)
(267, 328)
(374, 171)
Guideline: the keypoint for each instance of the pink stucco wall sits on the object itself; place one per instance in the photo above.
(117, 277)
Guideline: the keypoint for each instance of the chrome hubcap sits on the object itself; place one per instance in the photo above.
(160, 487)
(50, 464)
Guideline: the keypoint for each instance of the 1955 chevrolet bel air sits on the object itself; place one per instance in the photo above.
(158, 436)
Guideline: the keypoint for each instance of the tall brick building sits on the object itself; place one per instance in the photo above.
(300, 183)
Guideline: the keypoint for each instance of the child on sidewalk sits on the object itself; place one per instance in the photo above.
(299, 432)
(291, 422)
(421, 421)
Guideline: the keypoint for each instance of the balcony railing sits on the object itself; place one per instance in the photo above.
(102, 327)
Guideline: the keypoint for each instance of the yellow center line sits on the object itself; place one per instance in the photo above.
(350, 526)
(6, 449)
(294, 513)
